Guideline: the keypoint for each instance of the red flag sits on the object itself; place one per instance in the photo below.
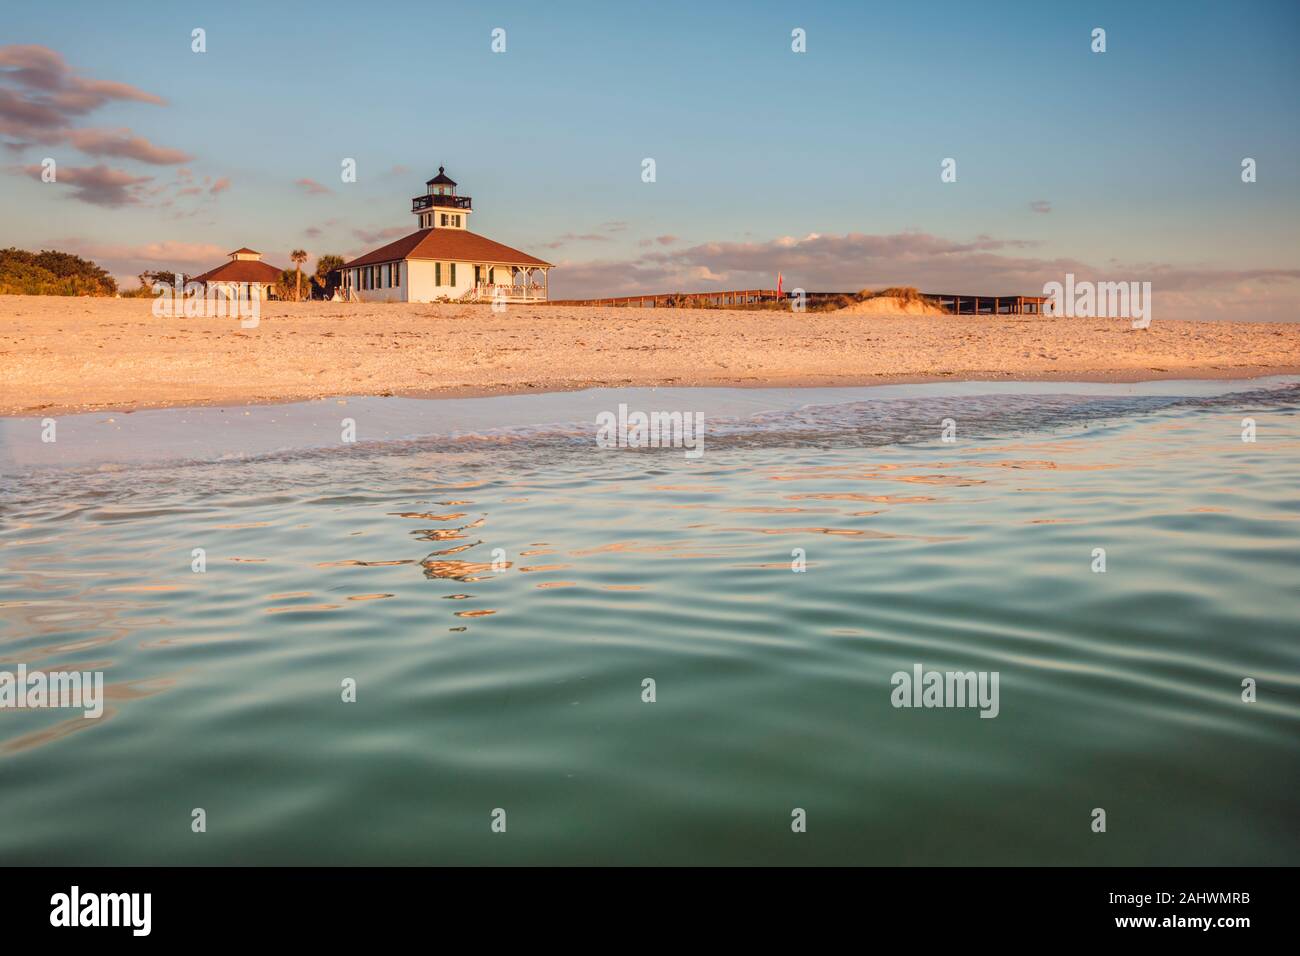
(778, 284)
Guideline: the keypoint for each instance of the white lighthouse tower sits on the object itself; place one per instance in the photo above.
(440, 207)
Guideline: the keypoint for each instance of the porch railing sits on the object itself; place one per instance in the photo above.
(489, 292)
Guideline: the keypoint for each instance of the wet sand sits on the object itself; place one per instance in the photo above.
(64, 355)
(106, 440)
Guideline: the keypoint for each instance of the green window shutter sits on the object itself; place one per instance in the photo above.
(437, 273)
(453, 274)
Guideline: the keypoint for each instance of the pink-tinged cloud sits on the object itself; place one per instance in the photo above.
(315, 232)
(122, 144)
(600, 235)
(126, 261)
(52, 82)
(40, 96)
(826, 263)
(119, 143)
(20, 116)
(43, 94)
(146, 254)
(220, 186)
(98, 185)
(1041, 205)
(311, 187)
(370, 237)
(41, 69)
(569, 237)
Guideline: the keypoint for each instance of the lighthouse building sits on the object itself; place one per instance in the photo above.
(443, 261)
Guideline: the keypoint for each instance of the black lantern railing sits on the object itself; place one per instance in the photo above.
(420, 203)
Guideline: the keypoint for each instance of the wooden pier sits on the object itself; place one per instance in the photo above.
(683, 300)
(988, 304)
(951, 302)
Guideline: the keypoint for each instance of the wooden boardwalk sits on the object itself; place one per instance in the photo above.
(683, 300)
(959, 304)
(955, 303)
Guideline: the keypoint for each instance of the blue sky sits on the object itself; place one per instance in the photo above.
(1134, 152)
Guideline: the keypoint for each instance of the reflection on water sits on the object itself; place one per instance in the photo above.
(500, 603)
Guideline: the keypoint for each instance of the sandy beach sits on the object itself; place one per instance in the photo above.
(63, 355)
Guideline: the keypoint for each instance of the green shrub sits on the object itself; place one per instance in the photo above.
(51, 273)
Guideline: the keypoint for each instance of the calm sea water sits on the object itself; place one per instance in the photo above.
(521, 688)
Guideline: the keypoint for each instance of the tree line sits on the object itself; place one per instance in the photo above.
(49, 272)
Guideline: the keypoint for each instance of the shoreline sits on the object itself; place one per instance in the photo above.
(67, 356)
(241, 433)
(1113, 377)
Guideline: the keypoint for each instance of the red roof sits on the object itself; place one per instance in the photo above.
(458, 245)
(245, 249)
(241, 270)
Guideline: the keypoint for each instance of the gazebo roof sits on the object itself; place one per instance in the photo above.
(241, 270)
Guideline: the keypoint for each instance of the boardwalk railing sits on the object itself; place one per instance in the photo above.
(683, 300)
(988, 304)
(955, 303)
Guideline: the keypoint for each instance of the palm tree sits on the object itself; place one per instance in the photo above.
(324, 266)
(299, 257)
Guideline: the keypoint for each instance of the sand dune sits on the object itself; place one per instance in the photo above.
(74, 354)
(891, 305)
